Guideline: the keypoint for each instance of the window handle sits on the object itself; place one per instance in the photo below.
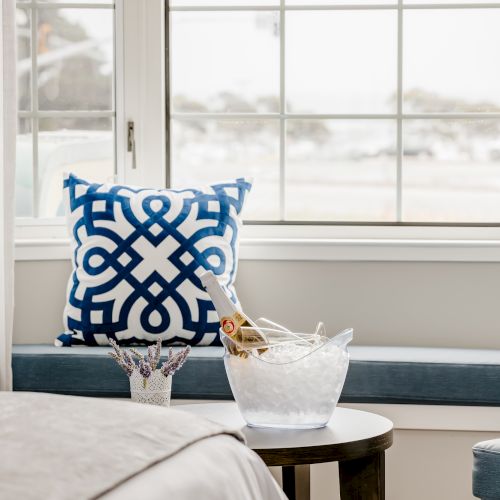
(131, 142)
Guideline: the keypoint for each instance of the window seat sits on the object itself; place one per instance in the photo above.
(412, 375)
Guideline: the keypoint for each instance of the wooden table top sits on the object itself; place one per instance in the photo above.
(350, 434)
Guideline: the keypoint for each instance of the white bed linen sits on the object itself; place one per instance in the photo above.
(73, 448)
(218, 468)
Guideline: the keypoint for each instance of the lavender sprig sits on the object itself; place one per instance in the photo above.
(154, 353)
(147, 365)
(116, 347)
(129, 361)
(136, 353)
(119, 361)
(174, 362)
(145, 371)
(125, 362)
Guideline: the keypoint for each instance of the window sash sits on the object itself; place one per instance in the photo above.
(33, 7)
(399, 116)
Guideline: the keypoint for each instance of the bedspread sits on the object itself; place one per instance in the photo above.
(67, 447)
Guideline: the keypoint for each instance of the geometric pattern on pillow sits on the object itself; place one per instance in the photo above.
(137, 257)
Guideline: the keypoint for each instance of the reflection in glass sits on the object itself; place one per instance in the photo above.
(23, 26)
(341, 61)
(208, 151)
(84, 146)
(75, 59)
(225, 61)
(24, 168)
(342, 170)
(451, 171)
(453, 68)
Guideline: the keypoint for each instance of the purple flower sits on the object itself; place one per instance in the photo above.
(154, 353)
(136, 353)
(174, 361)
(123, 358)
(145, 368)
(129, 361)
(148, 364)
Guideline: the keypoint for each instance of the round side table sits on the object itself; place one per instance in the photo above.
(357, 440)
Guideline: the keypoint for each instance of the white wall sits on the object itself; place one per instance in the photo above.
(398, 303)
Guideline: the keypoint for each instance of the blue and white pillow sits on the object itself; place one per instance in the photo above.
(137, 257)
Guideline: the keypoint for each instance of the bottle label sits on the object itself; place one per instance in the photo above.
(231, 324)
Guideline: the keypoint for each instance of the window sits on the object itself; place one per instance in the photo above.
(66, 99)
(347, 111)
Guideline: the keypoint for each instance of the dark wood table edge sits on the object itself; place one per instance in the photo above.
(307, 455)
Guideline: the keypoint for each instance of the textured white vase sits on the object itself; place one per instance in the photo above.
(155, 390)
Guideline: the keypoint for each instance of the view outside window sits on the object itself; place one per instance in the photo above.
(384, 114)
(66, 101)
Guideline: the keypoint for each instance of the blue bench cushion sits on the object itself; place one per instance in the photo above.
(89, 371)
(486, 471)
(415, 375)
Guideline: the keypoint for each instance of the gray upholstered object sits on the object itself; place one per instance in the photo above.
(376, 374)
(486, 471)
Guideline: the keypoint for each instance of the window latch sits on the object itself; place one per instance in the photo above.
(131, 142)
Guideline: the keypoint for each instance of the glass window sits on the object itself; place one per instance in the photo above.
(342, 110)
(452, 170)
(66, 100)
(235, 71)
(341, 61)
(204, 150)
(341, 170)
(447, 72)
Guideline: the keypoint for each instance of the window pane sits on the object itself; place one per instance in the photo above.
(24, 169)
(451, 171)
(190, 3)
(341, 61)
(225, 61)
(453, 68)
(75, 59)
(452, 1)
(84, 146)
(23, 59)
(341, 170)
(208, 151)
(342, 2)
(103, 2)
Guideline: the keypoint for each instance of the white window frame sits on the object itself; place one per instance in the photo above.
(141, 98)
(35, 113)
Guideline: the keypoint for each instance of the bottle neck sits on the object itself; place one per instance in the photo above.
(223, 304)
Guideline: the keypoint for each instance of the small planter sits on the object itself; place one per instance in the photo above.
(154, 390)
(150, 382)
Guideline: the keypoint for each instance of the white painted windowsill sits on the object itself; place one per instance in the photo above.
(314, 249)
(48, 240)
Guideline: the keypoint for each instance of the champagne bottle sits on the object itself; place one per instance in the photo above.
(233, 321)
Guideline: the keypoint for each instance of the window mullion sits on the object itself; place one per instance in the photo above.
(34, 107)
(399, 119)
(118, 92)
(282, 154)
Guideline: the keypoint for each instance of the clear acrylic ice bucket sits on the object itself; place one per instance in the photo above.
(278, 388)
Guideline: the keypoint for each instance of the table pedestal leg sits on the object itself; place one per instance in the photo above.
(363, 479)
(297, 482)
